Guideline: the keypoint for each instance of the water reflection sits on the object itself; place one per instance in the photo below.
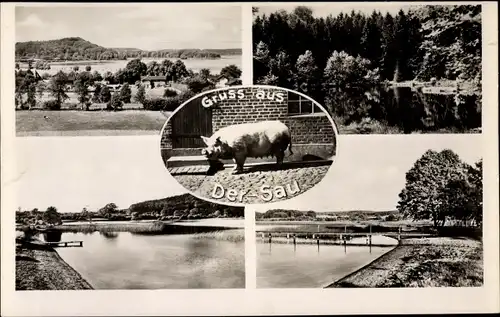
(406, 109)
(168, 261)
(279, 265)
(52, 236)
(109, 236)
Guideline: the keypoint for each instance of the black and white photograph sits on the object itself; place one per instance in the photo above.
(118, 70)
(382, 217)
(378, 69)
(249, 144)
(102, 226)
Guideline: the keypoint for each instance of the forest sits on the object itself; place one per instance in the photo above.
(176, 207)
(76, 48)
(350, 56)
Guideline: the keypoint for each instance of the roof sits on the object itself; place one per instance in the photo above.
(153, 78)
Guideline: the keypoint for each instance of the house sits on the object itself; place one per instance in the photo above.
(313, 131)
(150, 82)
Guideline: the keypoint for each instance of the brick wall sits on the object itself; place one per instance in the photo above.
(166, 141)
(310, 129)
(249, 109)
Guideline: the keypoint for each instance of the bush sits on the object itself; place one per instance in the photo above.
(51, 105)
(169, 93)
(154, 104)
(115, 103)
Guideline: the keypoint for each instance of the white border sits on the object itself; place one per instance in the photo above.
(252, 301)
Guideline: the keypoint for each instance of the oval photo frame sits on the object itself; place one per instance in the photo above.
(249, 144)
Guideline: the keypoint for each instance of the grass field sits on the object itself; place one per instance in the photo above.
(70, 123)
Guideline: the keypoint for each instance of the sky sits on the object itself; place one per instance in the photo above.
(148, 27)
(75, 172)
(325, 9)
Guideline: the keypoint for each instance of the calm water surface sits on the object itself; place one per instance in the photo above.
(309, 266)
(215, 65)
(407, 109)
(125, 260)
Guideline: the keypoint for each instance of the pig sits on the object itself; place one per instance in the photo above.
(237, 142)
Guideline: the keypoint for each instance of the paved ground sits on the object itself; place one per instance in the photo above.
(254, 186)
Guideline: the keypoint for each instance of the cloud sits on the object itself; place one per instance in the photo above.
(32, 21)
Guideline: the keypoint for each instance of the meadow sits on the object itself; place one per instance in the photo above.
(74, 122)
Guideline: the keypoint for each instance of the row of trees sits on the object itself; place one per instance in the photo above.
(36, 217)
(440, 187)
(28, 84)
(429, 41)
(76, 48)
(182, 206)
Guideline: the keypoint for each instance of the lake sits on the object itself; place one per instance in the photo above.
(406, 110)
(123, 260)
(285, 265)
(215, 65)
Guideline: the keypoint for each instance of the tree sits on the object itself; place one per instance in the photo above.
(82, 84)
(88, 68)
(51, 216)
(178, 71)
(57, 87)
(108, 209)
(166, 68)
(205, 73)
(96, 76)
(281, 69)
(40, 88)
(96, 97)
(260, 61)
(198, 84)
(115, 103)
(135, 69)
(105, 94)
(76, 68)
(153, 69)
(307, 74)
(344, 70)
(230, 71)
(141, 94)
(125, 93)
(426, 194)
(109, 77)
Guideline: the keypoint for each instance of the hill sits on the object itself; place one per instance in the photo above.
(76, 48)
(70, 48)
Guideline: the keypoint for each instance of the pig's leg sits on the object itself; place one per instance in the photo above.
(279, 157)
(239, 160)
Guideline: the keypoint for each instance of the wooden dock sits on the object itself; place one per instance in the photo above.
(65, 244)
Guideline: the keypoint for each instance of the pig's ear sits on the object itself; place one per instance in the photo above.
(205, 139)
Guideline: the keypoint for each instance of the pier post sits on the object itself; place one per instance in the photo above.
(81, 243)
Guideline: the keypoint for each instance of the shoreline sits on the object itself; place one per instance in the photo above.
(42, 268)
(428, 262)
